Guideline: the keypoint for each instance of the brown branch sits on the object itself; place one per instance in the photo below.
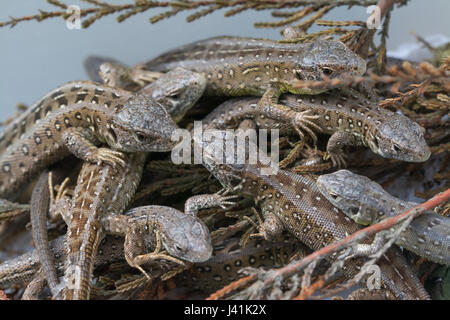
(231, 287)
(209, 6)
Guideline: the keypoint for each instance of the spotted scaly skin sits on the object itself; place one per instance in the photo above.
(183, 236)
(366, 202)
(104, 189)
(293, 202)
(236, 66)
(75, 118)
(223, 267)
(99, 190)
(348, 117)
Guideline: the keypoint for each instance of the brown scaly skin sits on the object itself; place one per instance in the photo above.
(347, 116)
(366, 202)
(236, 66)
(97, 182)
(292, 202)
(183, 236)
(99, 190)
(23, 269)
(149, 228)
(350, 119)
(223, 267)
(75, 118)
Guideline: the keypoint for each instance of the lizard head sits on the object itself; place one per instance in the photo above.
(399, 138)
(178, 90)
(142, 124)
(185, 237)
(354, 194)
(327, 59)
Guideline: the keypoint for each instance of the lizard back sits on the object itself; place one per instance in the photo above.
(33, 140)
(246, 66)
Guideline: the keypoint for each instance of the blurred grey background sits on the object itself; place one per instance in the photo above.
(37, 57)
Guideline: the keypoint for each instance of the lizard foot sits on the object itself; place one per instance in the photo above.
(140, 75)
(337, 159)
(139, 260)
(259, 226)
(221, 198)
(105, 155)
(60, 203)
(203, 201)
(304, 121)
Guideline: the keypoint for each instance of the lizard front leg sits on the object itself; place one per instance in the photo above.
(204, 201)
(135, 247)
(301, 121)
(81, 142)
(120, 76)
(271, 228)
(335, 147)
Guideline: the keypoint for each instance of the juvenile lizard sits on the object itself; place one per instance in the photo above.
(103, 189)
(75, 118)
(235, 66)
(350, 119)
(292, 202)
(366, 202)
(183, 236)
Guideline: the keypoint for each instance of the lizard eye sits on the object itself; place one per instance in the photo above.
(298, 74)
(334, 196)
(396, 148)
(140, 135)
(178, 248)
(175, 96)
(327, 71)
(376, 142)
(354, 211)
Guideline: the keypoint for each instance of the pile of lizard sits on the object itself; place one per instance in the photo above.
(117, 234)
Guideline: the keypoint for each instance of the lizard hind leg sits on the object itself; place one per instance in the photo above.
(270, 228)
(134, 248)
(59, 204)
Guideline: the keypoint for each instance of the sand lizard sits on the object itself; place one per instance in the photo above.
(293, 202)
(85, 224)
(75, 118)
(348, 117)
(183, 236)
(366, 202)
(235, 66)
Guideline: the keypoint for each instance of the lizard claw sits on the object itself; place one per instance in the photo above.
(111, 157)
(221, 200)
(140, 75)
(304, 121)
(338, 159)
(59, 202)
